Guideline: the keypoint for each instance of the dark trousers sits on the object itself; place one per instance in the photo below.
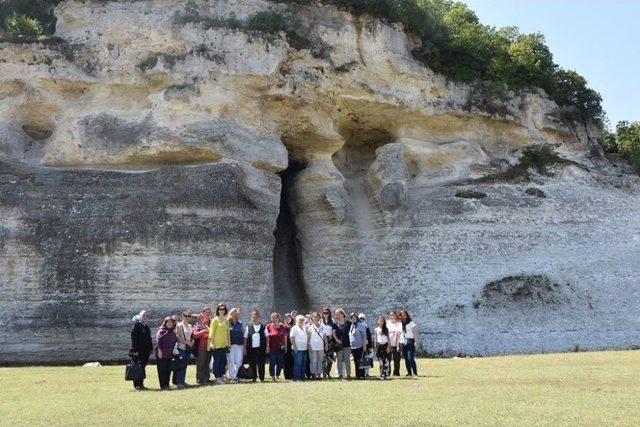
(144, 359)
(357, 358)
(202, 366)
(164, 373)
(256, 358)
(327, 363)
(395, 356)
(409, 354)
(276, 360)
(219, 361)
(288, 365)
(383, 357)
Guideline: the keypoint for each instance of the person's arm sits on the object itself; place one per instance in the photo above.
(246, 341)
(266, 334)
(200, 333)
(212, 333)
(286, 343)
(364, 339)
(135, 339)
(326, 342)
(293, 340)
(158, 341)
(416, 335)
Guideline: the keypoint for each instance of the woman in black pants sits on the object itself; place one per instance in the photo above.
(288, 356)
(165, 342)
(255, 341)
(358, 339)
(395, 341)
(141, 344)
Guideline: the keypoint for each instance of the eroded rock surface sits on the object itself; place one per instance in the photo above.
(143, 153)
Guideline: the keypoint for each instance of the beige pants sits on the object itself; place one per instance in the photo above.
(343, 359)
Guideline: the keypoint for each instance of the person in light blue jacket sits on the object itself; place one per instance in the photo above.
(358, 339)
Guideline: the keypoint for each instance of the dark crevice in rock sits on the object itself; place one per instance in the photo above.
(536, 192)
(288, 277)
(468, 194)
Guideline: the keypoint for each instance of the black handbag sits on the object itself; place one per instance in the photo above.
(178, 362)
(335, 346)
(245, 373)
(134, 371)
(366, 361)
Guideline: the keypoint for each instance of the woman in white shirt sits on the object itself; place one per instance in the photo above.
(299, 344)
(381, 342)
(317, 346)
(412, 341)
(185, 342)
(395, 340)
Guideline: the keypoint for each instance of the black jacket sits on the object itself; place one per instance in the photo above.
(141, 341)
(342, 332)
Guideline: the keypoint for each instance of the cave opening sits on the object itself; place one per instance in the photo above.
(288, 277)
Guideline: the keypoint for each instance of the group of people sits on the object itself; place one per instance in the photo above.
(302, 347)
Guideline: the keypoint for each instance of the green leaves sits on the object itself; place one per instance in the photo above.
(456, 44)
(19, 27)
(628, 136)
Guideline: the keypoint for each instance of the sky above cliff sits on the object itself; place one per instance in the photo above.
(598, 38)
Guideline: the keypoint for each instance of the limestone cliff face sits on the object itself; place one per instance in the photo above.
(143, 153)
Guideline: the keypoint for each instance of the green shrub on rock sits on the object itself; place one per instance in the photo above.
(628, 137)
(456, 44)
(20, 27)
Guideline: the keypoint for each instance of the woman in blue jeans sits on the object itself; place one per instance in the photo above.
(276, 346)
(412, 340)
(299, 343)
(185, 343)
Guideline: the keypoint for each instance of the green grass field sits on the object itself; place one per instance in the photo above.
(569, 389)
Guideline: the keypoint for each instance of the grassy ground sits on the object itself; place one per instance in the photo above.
(571, 389)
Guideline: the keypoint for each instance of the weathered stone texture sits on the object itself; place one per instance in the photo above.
(143, 153)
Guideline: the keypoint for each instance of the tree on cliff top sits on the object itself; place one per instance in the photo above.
(456, 44)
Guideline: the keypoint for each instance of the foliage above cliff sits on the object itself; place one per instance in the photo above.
(626, 142)
(456, 44)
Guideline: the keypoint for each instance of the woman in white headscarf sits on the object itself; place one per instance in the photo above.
(141, 343)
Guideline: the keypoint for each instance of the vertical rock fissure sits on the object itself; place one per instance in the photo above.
(288, 277)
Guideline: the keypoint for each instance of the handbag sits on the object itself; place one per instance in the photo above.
(335, 346)
(245, 373)
(366, 361)
(178, 362)
(134, 371)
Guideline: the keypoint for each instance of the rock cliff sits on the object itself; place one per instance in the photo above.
(159, 155)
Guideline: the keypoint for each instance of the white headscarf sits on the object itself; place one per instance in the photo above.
(139, 317)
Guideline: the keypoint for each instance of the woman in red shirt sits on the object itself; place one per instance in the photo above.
(201, 334)
(276, 346)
